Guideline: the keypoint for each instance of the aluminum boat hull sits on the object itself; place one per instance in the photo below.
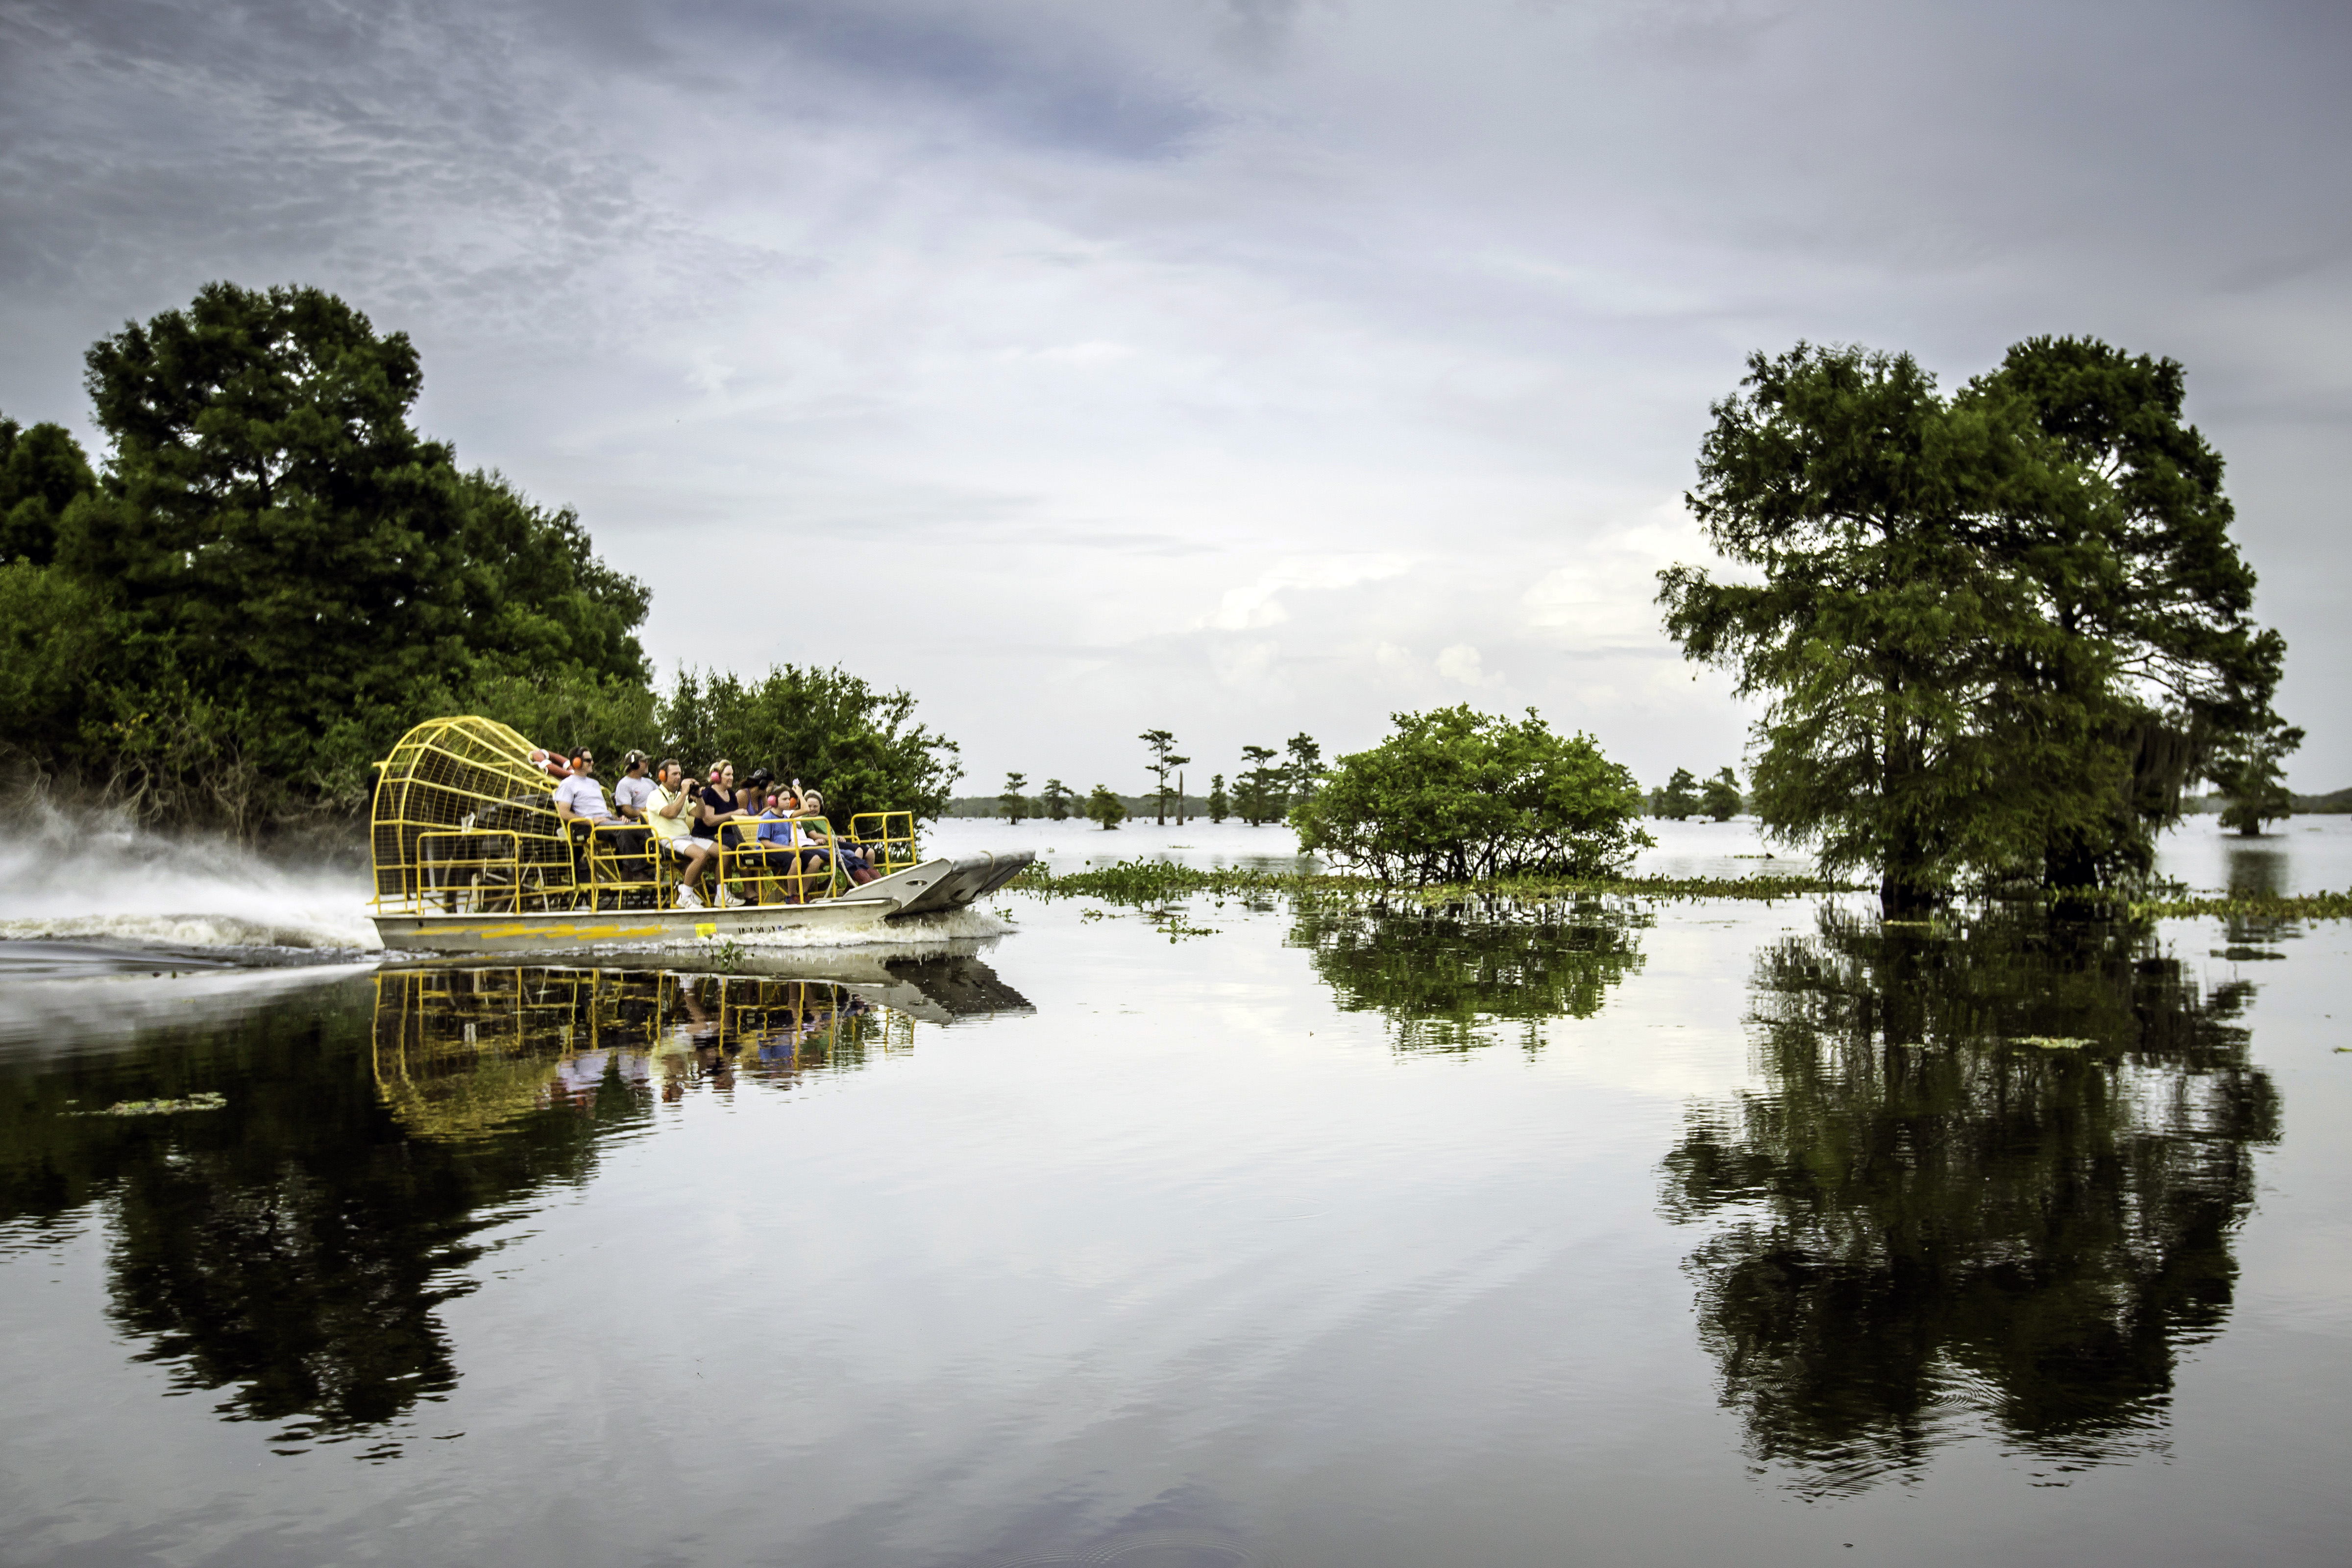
(933, 885)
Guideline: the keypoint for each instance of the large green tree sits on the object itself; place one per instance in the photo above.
(1997, 633)
(1258, 795)
(275, 573)
(2125, 537)
(1679, 798)
(1720, 797)
(277, 537)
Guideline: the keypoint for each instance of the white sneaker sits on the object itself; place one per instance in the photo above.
(688, 898)
(727, 899)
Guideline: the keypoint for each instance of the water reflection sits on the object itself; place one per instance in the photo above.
(2258, 872)
(1445, 977)
(462, 1053)
(1991, 1183)
(290, 1249)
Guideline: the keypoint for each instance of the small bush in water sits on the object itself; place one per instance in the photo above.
(1457, 797)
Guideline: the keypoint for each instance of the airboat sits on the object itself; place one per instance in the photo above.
(470, 856)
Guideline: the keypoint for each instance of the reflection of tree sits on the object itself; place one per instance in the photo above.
(1925, 1216)
(2255, 873)
(293, 1248)
(1444, 977)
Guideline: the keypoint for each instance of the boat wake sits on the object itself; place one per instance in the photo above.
(81, 878)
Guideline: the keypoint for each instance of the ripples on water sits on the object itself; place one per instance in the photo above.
(1489, 1232)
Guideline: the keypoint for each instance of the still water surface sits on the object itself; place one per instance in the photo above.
(1299, 1232)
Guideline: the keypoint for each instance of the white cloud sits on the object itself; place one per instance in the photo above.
(1246, 665)
(1460, 663)
(1254, 604)
(1086, 353)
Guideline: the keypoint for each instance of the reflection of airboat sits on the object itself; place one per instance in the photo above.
(462, 1052)
(470, 856)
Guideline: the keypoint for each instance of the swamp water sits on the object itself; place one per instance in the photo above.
(1280, 1231)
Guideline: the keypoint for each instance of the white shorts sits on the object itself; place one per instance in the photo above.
(686, 849)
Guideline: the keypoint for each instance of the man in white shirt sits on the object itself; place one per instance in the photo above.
(580, 798)
(630, 796)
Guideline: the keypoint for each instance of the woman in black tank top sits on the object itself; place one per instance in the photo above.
(717, 803)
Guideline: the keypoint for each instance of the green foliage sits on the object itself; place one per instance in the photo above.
(2258, 908)
(1258, 793)
(827, 728)
(1164, 761)
(2252, 776)
(1139, 882)
(275, 536)
(276, 575)
(42, 472)
(1996, 1164)
(1302, 772)
(608, 714)
(1455, 795)
(1104, 806)
(1220, 805)
(537, 597)
(1678, 799)
(1013, 805)
(52, 636)
(1057, 798)
(1720, 798)
(1997, 633)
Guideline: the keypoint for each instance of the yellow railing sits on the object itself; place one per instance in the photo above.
(467, 879)
(887, 838)
(624, 865)
(762, 872)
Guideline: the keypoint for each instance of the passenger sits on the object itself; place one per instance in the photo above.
(579, 804)
(629, 795)
(712, 812)
(793, 851)
(580, 798)
(754, 793)
(670, 812)
(860, 871)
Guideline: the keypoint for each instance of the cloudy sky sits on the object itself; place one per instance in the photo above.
(1235, 366)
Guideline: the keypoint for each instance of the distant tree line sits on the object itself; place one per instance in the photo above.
(271, 576)
(1265, 790)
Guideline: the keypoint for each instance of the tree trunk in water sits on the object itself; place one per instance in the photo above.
(1900, 899)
